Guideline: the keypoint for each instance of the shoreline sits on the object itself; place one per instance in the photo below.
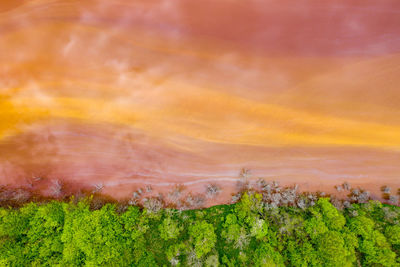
(193, 196)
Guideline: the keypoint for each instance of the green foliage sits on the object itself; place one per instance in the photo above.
(393, 234)
(315, 227)
(44, 234)
(332, 250)
(95, 236)
(373, 245)
(232, 229)
(259, 228)
(169, 229)
(333, 219)
(266, 255)
(212, 261)
(204, 237)
(302, 253)
(248, 205)
(243, 234)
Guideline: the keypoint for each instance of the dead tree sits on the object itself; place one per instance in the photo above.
(98, 188)
(212, 190)
(56, 188)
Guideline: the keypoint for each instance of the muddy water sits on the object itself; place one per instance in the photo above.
(164, 92)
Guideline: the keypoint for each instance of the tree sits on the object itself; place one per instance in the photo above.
(14, 225)
(373, 245)
(259, 228)
(243, 234)
(302, 253)
(248, 207)
(203, 236)
(93, 237)
(376, 250)
(44, 234)
(212, 261)
(231, 228)
(392, 233)
(332, 250)
(333, 219)
(315, 226)
(11, 251)
(169, 229)
(265, 255)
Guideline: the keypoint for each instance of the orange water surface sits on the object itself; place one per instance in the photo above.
(127, 93)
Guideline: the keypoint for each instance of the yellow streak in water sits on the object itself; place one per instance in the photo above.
(209, 115)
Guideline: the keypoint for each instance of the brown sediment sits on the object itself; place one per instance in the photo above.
(121, 95)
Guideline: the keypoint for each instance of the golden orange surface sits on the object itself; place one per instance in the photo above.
(127, 93)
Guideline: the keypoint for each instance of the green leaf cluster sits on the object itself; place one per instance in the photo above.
(247, 233)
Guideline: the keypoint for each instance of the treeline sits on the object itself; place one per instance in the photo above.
(247, 233)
